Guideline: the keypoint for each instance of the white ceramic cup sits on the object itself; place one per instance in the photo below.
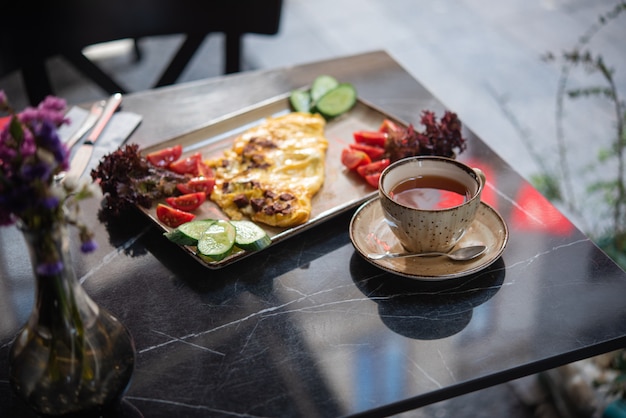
(432, 229)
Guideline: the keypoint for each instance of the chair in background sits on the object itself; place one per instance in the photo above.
(64, 28)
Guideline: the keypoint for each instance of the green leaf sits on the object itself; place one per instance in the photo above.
(605, 154)
(590, 92)
(548, 186)
(15, 128)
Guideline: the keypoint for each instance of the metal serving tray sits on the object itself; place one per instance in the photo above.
(342, 190)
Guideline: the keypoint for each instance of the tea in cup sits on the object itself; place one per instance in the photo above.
(429, 202)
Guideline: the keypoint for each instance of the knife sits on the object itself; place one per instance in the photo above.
(83, 153)
(92, 117)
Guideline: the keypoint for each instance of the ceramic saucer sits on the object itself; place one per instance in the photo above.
(370, 234)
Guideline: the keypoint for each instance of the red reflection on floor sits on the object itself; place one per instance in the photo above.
(489, 191)
(534, 212)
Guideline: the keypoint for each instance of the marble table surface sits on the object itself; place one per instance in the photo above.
(309, 328)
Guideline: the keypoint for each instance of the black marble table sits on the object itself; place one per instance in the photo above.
(307, 327)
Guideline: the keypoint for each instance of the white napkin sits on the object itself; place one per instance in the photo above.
(116, 132)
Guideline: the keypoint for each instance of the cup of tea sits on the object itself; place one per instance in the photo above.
(429, 202)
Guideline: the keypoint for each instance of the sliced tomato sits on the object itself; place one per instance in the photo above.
(187, 202)
(371, 172)
(188, 165)
(387, 126)
(353, 158)
(374, 138)
(203, 170)
(165, 156)
(172, 217)
(197, 184)
(372, 179)
(373, 152)
(373, 167)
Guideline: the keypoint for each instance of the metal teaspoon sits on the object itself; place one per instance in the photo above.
(460, 254)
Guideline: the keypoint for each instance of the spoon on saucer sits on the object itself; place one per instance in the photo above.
(460, 254)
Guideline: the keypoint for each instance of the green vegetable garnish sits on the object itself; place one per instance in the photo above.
(327, 96)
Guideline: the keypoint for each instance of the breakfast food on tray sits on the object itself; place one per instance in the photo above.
(273, 170)
(372, 151)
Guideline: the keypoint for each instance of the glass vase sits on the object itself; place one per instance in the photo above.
(72, 356)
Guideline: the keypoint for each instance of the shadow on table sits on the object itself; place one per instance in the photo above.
(426, 310)
(256, 271)
(18, 408)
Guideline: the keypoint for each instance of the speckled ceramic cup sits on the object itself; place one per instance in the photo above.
(433, 229)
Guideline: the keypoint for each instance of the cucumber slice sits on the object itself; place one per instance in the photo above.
(300, 100)
(250, 236)
(337, 101)
(322, 85)
(218, 240)
(190, 232)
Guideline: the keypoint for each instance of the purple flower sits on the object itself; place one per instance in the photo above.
(29, 147)
(37, 171)
(51, 110)
(49, 138)
(31, 153)
(50, 202)
(88, 246)
(28, 115)
(7, 149)
(53, 103)
(50, 269)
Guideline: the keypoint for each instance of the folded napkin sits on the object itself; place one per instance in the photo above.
(116, 132)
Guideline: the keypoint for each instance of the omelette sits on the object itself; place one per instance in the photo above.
(273, 170)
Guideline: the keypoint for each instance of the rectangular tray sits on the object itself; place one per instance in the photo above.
(342, 190)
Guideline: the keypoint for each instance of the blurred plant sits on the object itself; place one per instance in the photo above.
(613, 191)
(557, 184)
(612, 380)
(618, 386)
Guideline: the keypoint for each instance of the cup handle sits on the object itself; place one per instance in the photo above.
(481, 175)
